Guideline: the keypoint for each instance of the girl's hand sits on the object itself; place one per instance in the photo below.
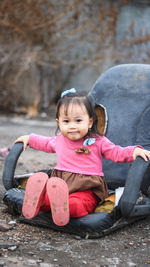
(24, 139)
(143, 153)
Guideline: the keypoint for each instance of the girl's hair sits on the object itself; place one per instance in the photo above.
(79, 99)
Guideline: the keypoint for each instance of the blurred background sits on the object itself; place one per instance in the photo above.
(47, 46)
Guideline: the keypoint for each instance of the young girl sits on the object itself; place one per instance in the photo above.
(77, 182)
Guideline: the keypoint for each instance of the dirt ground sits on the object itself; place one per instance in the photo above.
(26, 245)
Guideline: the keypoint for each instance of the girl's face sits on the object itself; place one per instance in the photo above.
(75, 123)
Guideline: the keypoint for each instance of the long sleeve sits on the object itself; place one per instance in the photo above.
(116, 153)
(46, 144)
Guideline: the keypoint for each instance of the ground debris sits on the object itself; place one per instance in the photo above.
(5, 226)
(4, 152)
(8, 245)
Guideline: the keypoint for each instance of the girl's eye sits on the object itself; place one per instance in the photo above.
(79, 120)
(66, 121)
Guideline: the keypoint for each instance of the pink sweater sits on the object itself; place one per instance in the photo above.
(71, 161)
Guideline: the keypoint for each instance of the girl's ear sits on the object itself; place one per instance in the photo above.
(57, 120)
(91, 122)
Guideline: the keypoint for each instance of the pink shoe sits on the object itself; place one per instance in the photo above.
(34, 194)
(57, 191)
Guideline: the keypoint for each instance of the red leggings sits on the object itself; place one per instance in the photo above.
(80, 203)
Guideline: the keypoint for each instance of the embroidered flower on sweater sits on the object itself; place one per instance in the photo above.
(83, 150)
(88, 141)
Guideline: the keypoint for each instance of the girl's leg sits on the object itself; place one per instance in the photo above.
(46, 204)
(34, 194)
(82, 203)
(58, 195)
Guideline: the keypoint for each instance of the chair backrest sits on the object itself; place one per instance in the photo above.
(124, 91)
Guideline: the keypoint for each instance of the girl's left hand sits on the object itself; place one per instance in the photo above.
(143, 153)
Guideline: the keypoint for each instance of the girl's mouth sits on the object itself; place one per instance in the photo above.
(72, 132)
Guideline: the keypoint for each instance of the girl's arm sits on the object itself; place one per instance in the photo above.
(24, 139)
(38, 142)
(127, 154)
(143, 153)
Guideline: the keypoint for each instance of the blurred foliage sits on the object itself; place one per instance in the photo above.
(53, 27)
(50, 34)
(44, 42)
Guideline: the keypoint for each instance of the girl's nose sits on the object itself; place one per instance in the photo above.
(72, 125)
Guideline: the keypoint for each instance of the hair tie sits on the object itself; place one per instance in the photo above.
(70, 91)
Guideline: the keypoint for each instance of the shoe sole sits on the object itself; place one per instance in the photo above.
(57, 191)
(34, 194)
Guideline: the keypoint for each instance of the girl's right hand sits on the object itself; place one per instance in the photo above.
(24, 139)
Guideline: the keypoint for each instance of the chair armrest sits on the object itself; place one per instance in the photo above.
(10, 165)
(132, 185)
